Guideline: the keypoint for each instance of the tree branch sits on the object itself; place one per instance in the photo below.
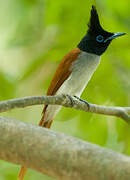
(57, 155)
(67, 101)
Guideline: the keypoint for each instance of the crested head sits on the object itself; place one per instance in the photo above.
(96, 39)
(94, 24)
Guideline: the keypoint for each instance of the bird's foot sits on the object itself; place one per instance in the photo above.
(71, 100)
(83, 101)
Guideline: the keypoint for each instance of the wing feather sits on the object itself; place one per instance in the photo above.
(63, 71)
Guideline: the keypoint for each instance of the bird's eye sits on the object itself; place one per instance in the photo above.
(100, 38)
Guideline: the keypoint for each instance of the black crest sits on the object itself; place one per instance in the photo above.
(94, 24)
(96, 39)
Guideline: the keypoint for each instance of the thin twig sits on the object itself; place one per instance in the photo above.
(67, 101)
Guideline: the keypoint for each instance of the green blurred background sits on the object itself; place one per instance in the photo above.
(34, 36)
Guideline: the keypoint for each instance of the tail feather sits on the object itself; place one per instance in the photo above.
(43, 123)
(22, 173)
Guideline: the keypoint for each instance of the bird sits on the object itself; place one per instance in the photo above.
(76, 68)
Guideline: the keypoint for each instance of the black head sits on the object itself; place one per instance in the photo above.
(97, 39)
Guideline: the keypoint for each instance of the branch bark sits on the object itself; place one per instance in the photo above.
(57, 155)
(67, 101)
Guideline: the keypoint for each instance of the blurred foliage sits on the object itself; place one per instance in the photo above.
(34, 36)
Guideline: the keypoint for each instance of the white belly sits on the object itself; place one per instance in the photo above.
(82, 70)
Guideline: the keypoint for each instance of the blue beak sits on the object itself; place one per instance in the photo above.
(115, 35)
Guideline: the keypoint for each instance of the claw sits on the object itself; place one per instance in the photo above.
(71, 99)
(83, 101)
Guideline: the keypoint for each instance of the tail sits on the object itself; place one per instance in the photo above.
(43, 123)
(22, 173)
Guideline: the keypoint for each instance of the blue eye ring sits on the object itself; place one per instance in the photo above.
(100, 38)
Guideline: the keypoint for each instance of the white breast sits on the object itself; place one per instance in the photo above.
(82, 71)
